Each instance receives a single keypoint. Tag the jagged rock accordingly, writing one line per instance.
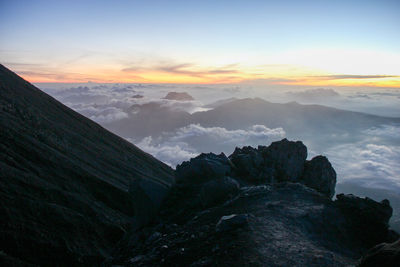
(290, 225)
(217, 191)
(281, 161)
(287, 158)
(179, 96)
(382, 255)
(320, 175)
(231, 222)
(202, 168)
(370, 219)
(249, 165)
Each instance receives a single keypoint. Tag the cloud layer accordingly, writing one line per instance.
(191, 140)
(371, 162)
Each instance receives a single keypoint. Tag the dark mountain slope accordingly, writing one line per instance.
(298, 121)
(64, 180)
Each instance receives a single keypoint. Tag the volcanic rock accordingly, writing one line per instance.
(382, 255)
(203, 167)
(320, 175)
(231, 222)
(287, 157)
(370, 219)
(218, 190)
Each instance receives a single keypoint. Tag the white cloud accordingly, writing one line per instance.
(391, 131)
(259, 132)
(189, 141)
(109, 114)
(372, 161)
(168, 152)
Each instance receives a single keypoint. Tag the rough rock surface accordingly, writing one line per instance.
(202, 168)
(180, 96)
(218, 190)
(64, 181)
(382, 255)
(287, 158)
(320, 175)
(279, 162)
(232, 222)
(370, 219)
(278, 223)
(287, 224)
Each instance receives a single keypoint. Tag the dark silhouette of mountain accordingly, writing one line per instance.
(221, 102)
(64, 181)
(265, 206)
(153, 119)
(299, 121)
(179, 96)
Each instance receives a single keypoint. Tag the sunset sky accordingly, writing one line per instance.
(316, 43)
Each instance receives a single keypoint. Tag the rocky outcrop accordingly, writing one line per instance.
(275, 209)
(284, 161)
(281, 161)
(218, 191)
(382, 255)
(286, 224)
(202, 168)
(320, 175)
(179, 96)
(370, 219)
(250, 165)
(287, 158)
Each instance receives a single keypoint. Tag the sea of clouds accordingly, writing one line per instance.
(372, 161)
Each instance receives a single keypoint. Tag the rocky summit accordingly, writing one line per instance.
(74, 194)
(265, 206)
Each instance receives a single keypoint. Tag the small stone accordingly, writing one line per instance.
(155, 236)
(231, 222)
(136, 259)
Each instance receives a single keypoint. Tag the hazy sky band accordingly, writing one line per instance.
(290, 42)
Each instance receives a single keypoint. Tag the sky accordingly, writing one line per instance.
(316, 43)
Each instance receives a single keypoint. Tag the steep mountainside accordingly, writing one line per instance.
(64, 180)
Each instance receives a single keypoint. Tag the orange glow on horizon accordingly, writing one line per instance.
(298, 77)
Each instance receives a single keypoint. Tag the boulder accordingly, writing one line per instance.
(383, 255)
(320, 175)
(249, 165)
(232, 222)
(218, 191)
(203, 168)
(369, 218)
(287, 158)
